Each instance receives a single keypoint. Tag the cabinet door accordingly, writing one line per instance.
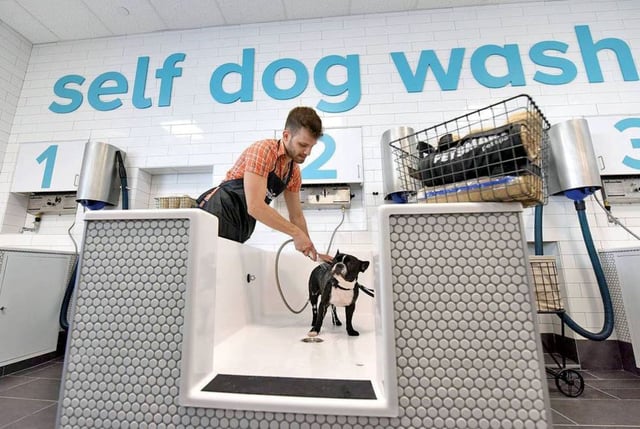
(337, 158)
(31, 290)
(616, 143)
(48, 166)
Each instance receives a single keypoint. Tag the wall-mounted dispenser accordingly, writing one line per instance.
(99, 185)
(52, 203)
(621, 189)
(393, 188)
(325, 197)
(572, 161)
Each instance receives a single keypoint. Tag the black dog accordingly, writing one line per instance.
(336, 283)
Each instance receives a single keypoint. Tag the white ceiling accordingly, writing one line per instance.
(45, 21)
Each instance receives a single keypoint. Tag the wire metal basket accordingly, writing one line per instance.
(183, 202)
(497, 153)
(546, 284)
(548, 300)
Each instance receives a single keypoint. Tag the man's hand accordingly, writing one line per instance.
(305, 246)
(325, 258)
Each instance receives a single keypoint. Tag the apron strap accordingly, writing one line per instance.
(204, 197)
(289, 174)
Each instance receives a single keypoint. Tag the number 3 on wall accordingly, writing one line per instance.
(49, 159)
(313, 170)
(635, 143)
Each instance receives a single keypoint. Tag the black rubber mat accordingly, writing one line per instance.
(291, 386)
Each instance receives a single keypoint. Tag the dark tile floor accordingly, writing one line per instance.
(29, 398)
(611, 400)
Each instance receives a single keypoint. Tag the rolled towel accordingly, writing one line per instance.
(493, 152)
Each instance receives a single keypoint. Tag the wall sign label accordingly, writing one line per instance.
(492, 66)
(48, 166)
(616, 142)
(336, 158)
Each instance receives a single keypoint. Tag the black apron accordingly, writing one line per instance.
(229, 204)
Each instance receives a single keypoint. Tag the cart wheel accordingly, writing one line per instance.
(570, 383)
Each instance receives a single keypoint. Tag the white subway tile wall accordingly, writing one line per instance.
(197, 132)
(15, 51)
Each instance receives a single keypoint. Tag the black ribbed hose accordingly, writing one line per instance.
(608, 324)
(122, 172)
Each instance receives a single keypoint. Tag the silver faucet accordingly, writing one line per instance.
(34, 228)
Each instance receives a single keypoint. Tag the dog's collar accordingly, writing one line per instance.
(337, 284)
(359, 286)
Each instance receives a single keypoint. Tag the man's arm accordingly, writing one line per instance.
(255, 188)
(296, 216)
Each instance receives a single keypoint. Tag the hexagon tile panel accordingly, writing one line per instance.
(465, 338)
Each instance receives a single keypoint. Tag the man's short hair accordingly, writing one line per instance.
(304, 117)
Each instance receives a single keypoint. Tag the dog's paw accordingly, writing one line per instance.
(353, 333)
(312, 334)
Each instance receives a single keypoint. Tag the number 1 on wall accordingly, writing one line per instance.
(49, 158)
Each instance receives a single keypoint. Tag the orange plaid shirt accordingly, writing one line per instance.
(263, 157)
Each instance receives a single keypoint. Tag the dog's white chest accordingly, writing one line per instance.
(342, 297)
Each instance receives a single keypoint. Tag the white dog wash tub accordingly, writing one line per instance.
(173, 327)
(240, 348)
(247, 351)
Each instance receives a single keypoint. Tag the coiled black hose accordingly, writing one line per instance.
(608, 325)
(122, 172)
(64, 309)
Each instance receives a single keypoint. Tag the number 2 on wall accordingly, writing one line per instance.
(313, 171)
(49, 158)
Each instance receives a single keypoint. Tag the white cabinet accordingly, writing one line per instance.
(336, 158)
(48, 166)
(616, 143)
(32, 286)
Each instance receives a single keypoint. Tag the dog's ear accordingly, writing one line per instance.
(337, 254)
(363, 266)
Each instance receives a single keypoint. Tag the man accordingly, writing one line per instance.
(264, 170)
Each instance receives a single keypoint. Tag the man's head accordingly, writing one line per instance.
(302, 130)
